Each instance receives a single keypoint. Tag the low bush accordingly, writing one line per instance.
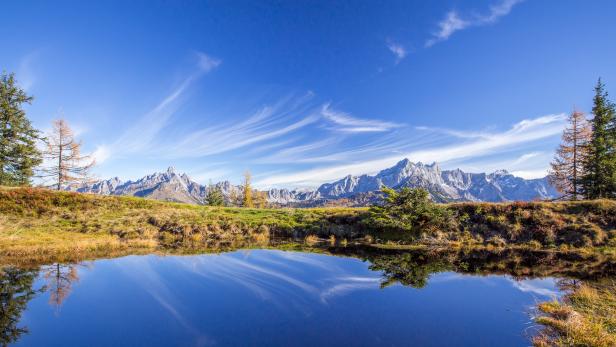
(409, 210)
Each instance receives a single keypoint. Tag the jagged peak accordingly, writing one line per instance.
(497, 186)
(403, 163)
(501, 172)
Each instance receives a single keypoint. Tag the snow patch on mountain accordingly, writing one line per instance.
(443, 185)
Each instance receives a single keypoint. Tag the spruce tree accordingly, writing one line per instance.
(599, 180)
(214, 196)
(18, 152)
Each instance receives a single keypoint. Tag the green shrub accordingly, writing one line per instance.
(410, 210)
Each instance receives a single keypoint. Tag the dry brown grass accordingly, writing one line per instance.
(39, 221)
(585, 317)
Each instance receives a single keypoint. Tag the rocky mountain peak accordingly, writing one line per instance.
(443, 185)
(501, 173)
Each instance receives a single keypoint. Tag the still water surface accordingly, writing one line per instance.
(272, 298)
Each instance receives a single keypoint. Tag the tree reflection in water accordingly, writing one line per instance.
(60, 279)
(414, 267)
(15, 293)
(411, 268)
(16, 290)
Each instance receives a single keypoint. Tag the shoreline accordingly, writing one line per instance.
(40, 223)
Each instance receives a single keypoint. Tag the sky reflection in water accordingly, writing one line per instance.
(277, 298)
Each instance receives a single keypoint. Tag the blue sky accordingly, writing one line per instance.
(302, 92)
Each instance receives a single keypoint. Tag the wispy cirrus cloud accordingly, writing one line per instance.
(347, 123)
(207, 63)
(302, 152)
(454, 22)
(397, 49)
(272, 133)
(463, 134)
(525, 164)
(525, 132)
(145, 130)
(449, 25)
(25, 72)
(526, 157)
(268, 123)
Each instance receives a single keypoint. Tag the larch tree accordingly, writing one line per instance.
(260, 199)
(599, 179)
(65, 165)
(60, 279)
(568, 164)
(19, 154)
(247, 200)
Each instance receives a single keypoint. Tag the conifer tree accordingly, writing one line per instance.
(18, 152)
(260, 199)
(235, 196)
(65, 163)
(16, 291)
(599, 180)
(247, 191)
(214, 196)
(567, 166)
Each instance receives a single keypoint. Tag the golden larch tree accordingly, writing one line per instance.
(60, 279)
(247, 191)
(567, 167)
(64, 163)
(260, 199)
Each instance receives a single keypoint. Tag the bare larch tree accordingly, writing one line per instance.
(60, 279)
(64, 163)
(567, 167)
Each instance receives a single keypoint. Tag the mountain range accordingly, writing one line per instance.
(443, 185)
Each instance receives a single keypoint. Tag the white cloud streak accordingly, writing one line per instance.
(397, 49)
(525, 157)
(140, 136)
(25, 72)
(101, 154)
(543, 287)
(207, 63)
(526, 165)
(447, 27)
(144, 131)
(462, 134)
(266, 130)
(453, 22)
(268, 123)
(524, 132)
(346, 123)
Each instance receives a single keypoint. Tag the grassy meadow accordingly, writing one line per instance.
(43, 223)
(41, 226)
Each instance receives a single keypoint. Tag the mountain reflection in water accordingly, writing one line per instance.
(356, 297)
